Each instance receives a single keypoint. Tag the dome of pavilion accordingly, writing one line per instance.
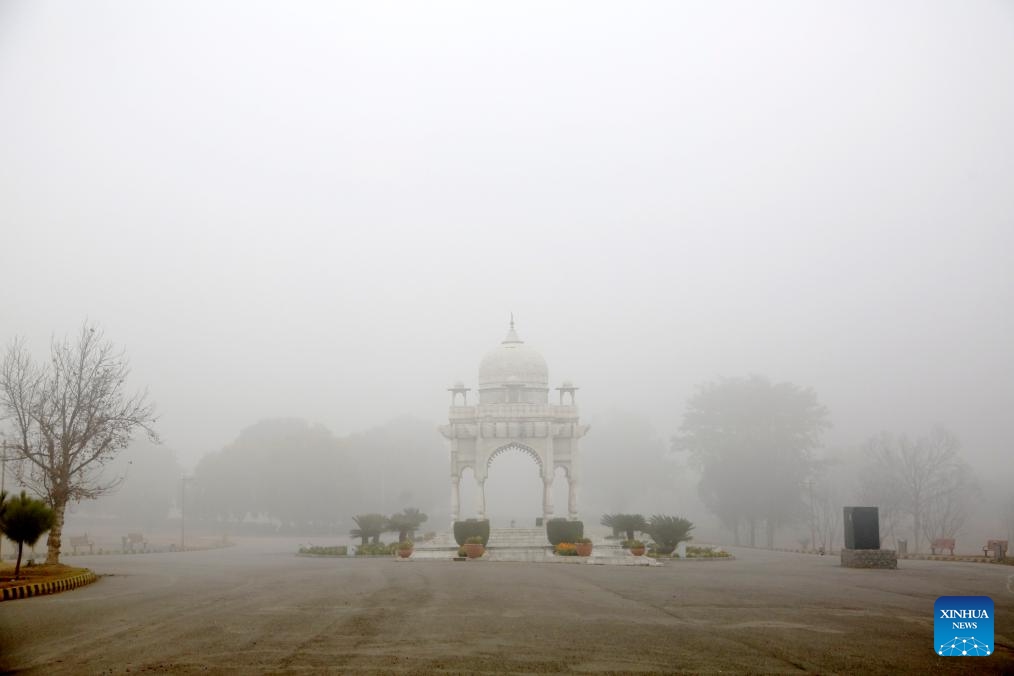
(514, 363)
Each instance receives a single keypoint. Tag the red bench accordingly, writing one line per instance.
(942, 544)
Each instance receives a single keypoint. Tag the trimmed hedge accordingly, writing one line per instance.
(471, 528)
(376, 549)
(562, 530)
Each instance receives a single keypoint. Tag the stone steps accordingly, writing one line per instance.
(505, 538)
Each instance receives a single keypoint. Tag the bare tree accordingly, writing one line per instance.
(878, 488)
(924, 477)
(947, 513)
(70, 417)
(825, 510)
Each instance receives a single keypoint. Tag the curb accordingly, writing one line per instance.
(40, 588)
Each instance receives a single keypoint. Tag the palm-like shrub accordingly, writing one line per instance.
(406, 522)
(369, 526)
(668, 532)
(25, 519)
(625, 523)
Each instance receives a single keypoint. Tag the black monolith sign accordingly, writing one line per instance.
(862, 528)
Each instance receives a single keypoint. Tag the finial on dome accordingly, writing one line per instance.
(512, 335)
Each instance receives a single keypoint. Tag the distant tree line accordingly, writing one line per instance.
(287, 475)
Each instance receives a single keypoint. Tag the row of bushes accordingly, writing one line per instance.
(665, 531)
(342, 550)
(557, 531)
(369, 549)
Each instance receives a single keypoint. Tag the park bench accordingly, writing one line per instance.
(82, 541)
(131, 539)
(996, 548)
(942, 544)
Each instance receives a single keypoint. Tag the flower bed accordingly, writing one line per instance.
(324, 551)
(566, 549)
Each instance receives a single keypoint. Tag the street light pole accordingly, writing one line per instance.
(3, 483)
(183, 513)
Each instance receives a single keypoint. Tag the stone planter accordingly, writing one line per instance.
(637, 551)
(583, 548)
(474, 551)
(405, 553)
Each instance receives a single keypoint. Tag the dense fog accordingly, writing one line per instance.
(304, 222)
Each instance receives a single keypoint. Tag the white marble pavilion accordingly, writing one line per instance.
(514, 413)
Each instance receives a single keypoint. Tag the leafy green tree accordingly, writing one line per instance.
(668, 531)
(752, 441)
(406, 522)
(25, 519)
(369, 526)
(625, 523)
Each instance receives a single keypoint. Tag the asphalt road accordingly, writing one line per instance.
(256, 607)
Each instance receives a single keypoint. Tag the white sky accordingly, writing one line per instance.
(329, 209)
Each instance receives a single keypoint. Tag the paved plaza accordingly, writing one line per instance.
(256, 607)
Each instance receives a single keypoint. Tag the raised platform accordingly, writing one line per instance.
(885, 559)
(530, 545)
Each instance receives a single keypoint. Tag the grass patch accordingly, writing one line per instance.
(36, 574)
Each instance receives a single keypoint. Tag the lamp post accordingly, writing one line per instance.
(3, 481)
(183, 513)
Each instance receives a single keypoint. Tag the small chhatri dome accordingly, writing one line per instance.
(513, 362)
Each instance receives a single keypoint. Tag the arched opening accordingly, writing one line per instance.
(468, 494)
(513, 488)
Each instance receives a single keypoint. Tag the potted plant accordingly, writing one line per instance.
(636, 547)
(583, 546)
(405, 549)
(474, 547)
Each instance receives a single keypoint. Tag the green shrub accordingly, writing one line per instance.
(624, 524)
(562, 530)
(463, 530)
(706, 553)
(25, 519)
(376, 549)
(668, 532)
(475, 540)
(325, 551)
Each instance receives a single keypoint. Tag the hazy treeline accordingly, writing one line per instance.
(287, 475)
(748, 466)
